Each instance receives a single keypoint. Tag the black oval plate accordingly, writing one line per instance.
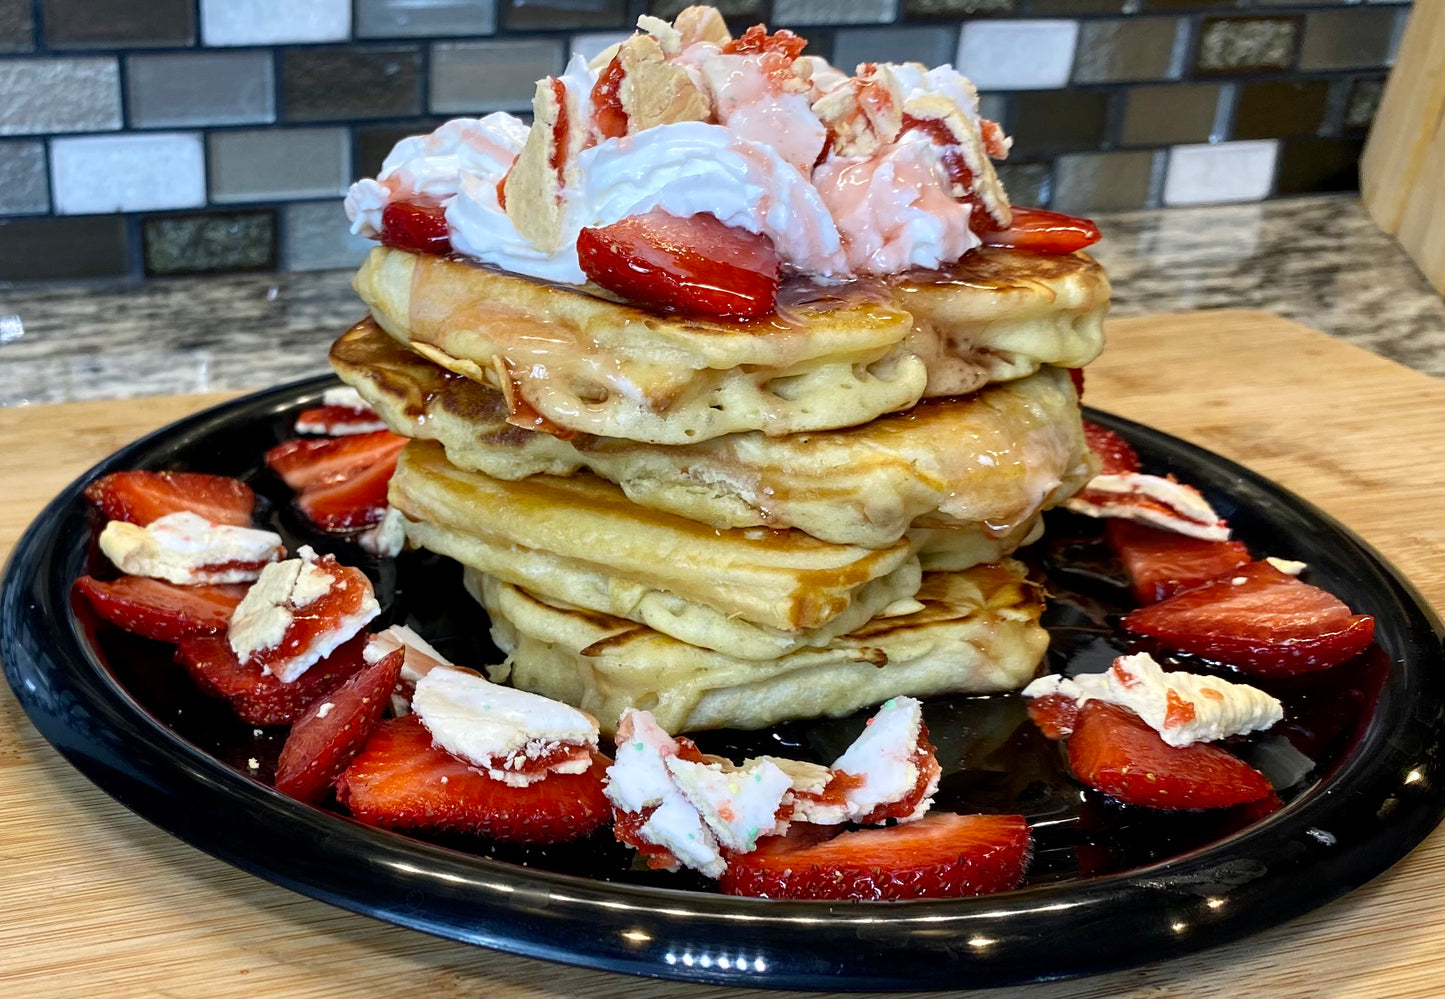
(1375, 796)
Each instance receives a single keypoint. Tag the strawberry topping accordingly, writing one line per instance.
(342, 480)
(1259, 619)
(929, 771)
(141, 497)
(163, 611)
(416, 227)
(323, 606)
(1054, 714)
(693, 265)
(1114, 452)
(338, 421)
(609, 120)
(1112, 750)
(260, 698)
(351, 503)
(756, 41)
(333, 730)
(401, 781)
(939, 856)
(1163, 563)
(1035, 230)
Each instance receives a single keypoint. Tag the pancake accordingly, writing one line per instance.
(754, 593)
(976, 632)
(985, 464)
(572, 362)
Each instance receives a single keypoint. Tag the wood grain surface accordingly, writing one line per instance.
(99, 902)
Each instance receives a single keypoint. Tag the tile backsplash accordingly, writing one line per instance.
(162, 137)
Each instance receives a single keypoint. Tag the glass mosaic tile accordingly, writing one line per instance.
(346, 83)
(209, 242)
(210, 88)
(425, 18)
(87, 24)
(51, 249)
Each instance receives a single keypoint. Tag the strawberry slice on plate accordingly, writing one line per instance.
(359, 500)
(164, 611)
(327, 737)
(940, 856)
(140, 497)
(1036, 230)
(1163, 563)
(338, 421)
(1054, 714)
(261, 698)
(416, 227)
(401, 781)
(1115, 453)
(1260, 620)
(306, 462)
(1114, 751)
(695, 265)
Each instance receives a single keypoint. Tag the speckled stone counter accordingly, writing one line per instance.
(1319, 261)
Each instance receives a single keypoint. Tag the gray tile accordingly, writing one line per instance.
(209, 242)
(17, 26)
(490, 76)
(1137, 49)
(59, 95)
(932, 45)
(545, 15)
(1349, 39)
(1027, 184)
(957, 8)
(1049, 121)
(795, 12)
(993, 106)
(1246, 44)
(212, 88)
(1098, 182)
(1363, 102)
(86, 24)
(1162, 116)
(278, 164)
(345, 83)
(318, 237)
(669, 9)
(24, 182)
(424, 18)
(50, 249)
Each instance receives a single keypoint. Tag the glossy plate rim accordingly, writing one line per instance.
(1388, 792)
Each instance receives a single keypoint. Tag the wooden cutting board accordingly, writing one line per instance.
(98, 901)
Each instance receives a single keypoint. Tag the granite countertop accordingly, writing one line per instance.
(1319, 261)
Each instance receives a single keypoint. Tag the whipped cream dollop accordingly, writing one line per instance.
(845, 175)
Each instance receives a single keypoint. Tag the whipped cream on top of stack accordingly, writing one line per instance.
(874, 173)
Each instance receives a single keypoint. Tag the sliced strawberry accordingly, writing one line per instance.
(1114, 451)
(756, 40)
(313, 626)
(1114, 751)
(1054, 714)
(401, 781)
(609, 118)
(327, 737)
(1259, 619)
(155, 609)
(939, 856)
(1035, 230)
(260, 698)
(308, 461)
(695, 265)
(347, 504)
(416, 227)
(141, 497)
(338, 421)
(1163, 563)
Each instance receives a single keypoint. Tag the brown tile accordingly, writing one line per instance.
(340, 83)
(1139, 48)
(1363, 102)
(1027, 184)
(374, 142)
(112, 24)
(1277, 108)
(24, 179)
(501, 75)
(933, 9)
(1309, 165)
(1246, 44)
(749, 10)
(1047, 121)
(1349, 39)
(1074, 7)
(17, 26)
(209, 242)
(1164, 116)
(540, 15)
(1099, 182)
(75, 246)
(1188, 5)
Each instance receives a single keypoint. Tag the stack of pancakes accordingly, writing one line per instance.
(737, 523)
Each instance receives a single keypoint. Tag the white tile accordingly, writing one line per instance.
(269, 22)
(1224, 171)
(1017, 55)
(127, 173)
(589, 46)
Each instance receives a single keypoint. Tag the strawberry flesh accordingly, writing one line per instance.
(351, 503)
(309, 461)
(939, 856)
(608, 116)
(693, 265)
(260, 698)
(1054, 714)
(401, 781)
(416, 227)
(142, 497)
(338, 421)
(350, 588)
(1114, 452)
(1260, 620)
(1112, 750)
(1036, 230)
(925, 759)
(756, 41)
(327, 737)
(1163, 563)
(163, 611)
